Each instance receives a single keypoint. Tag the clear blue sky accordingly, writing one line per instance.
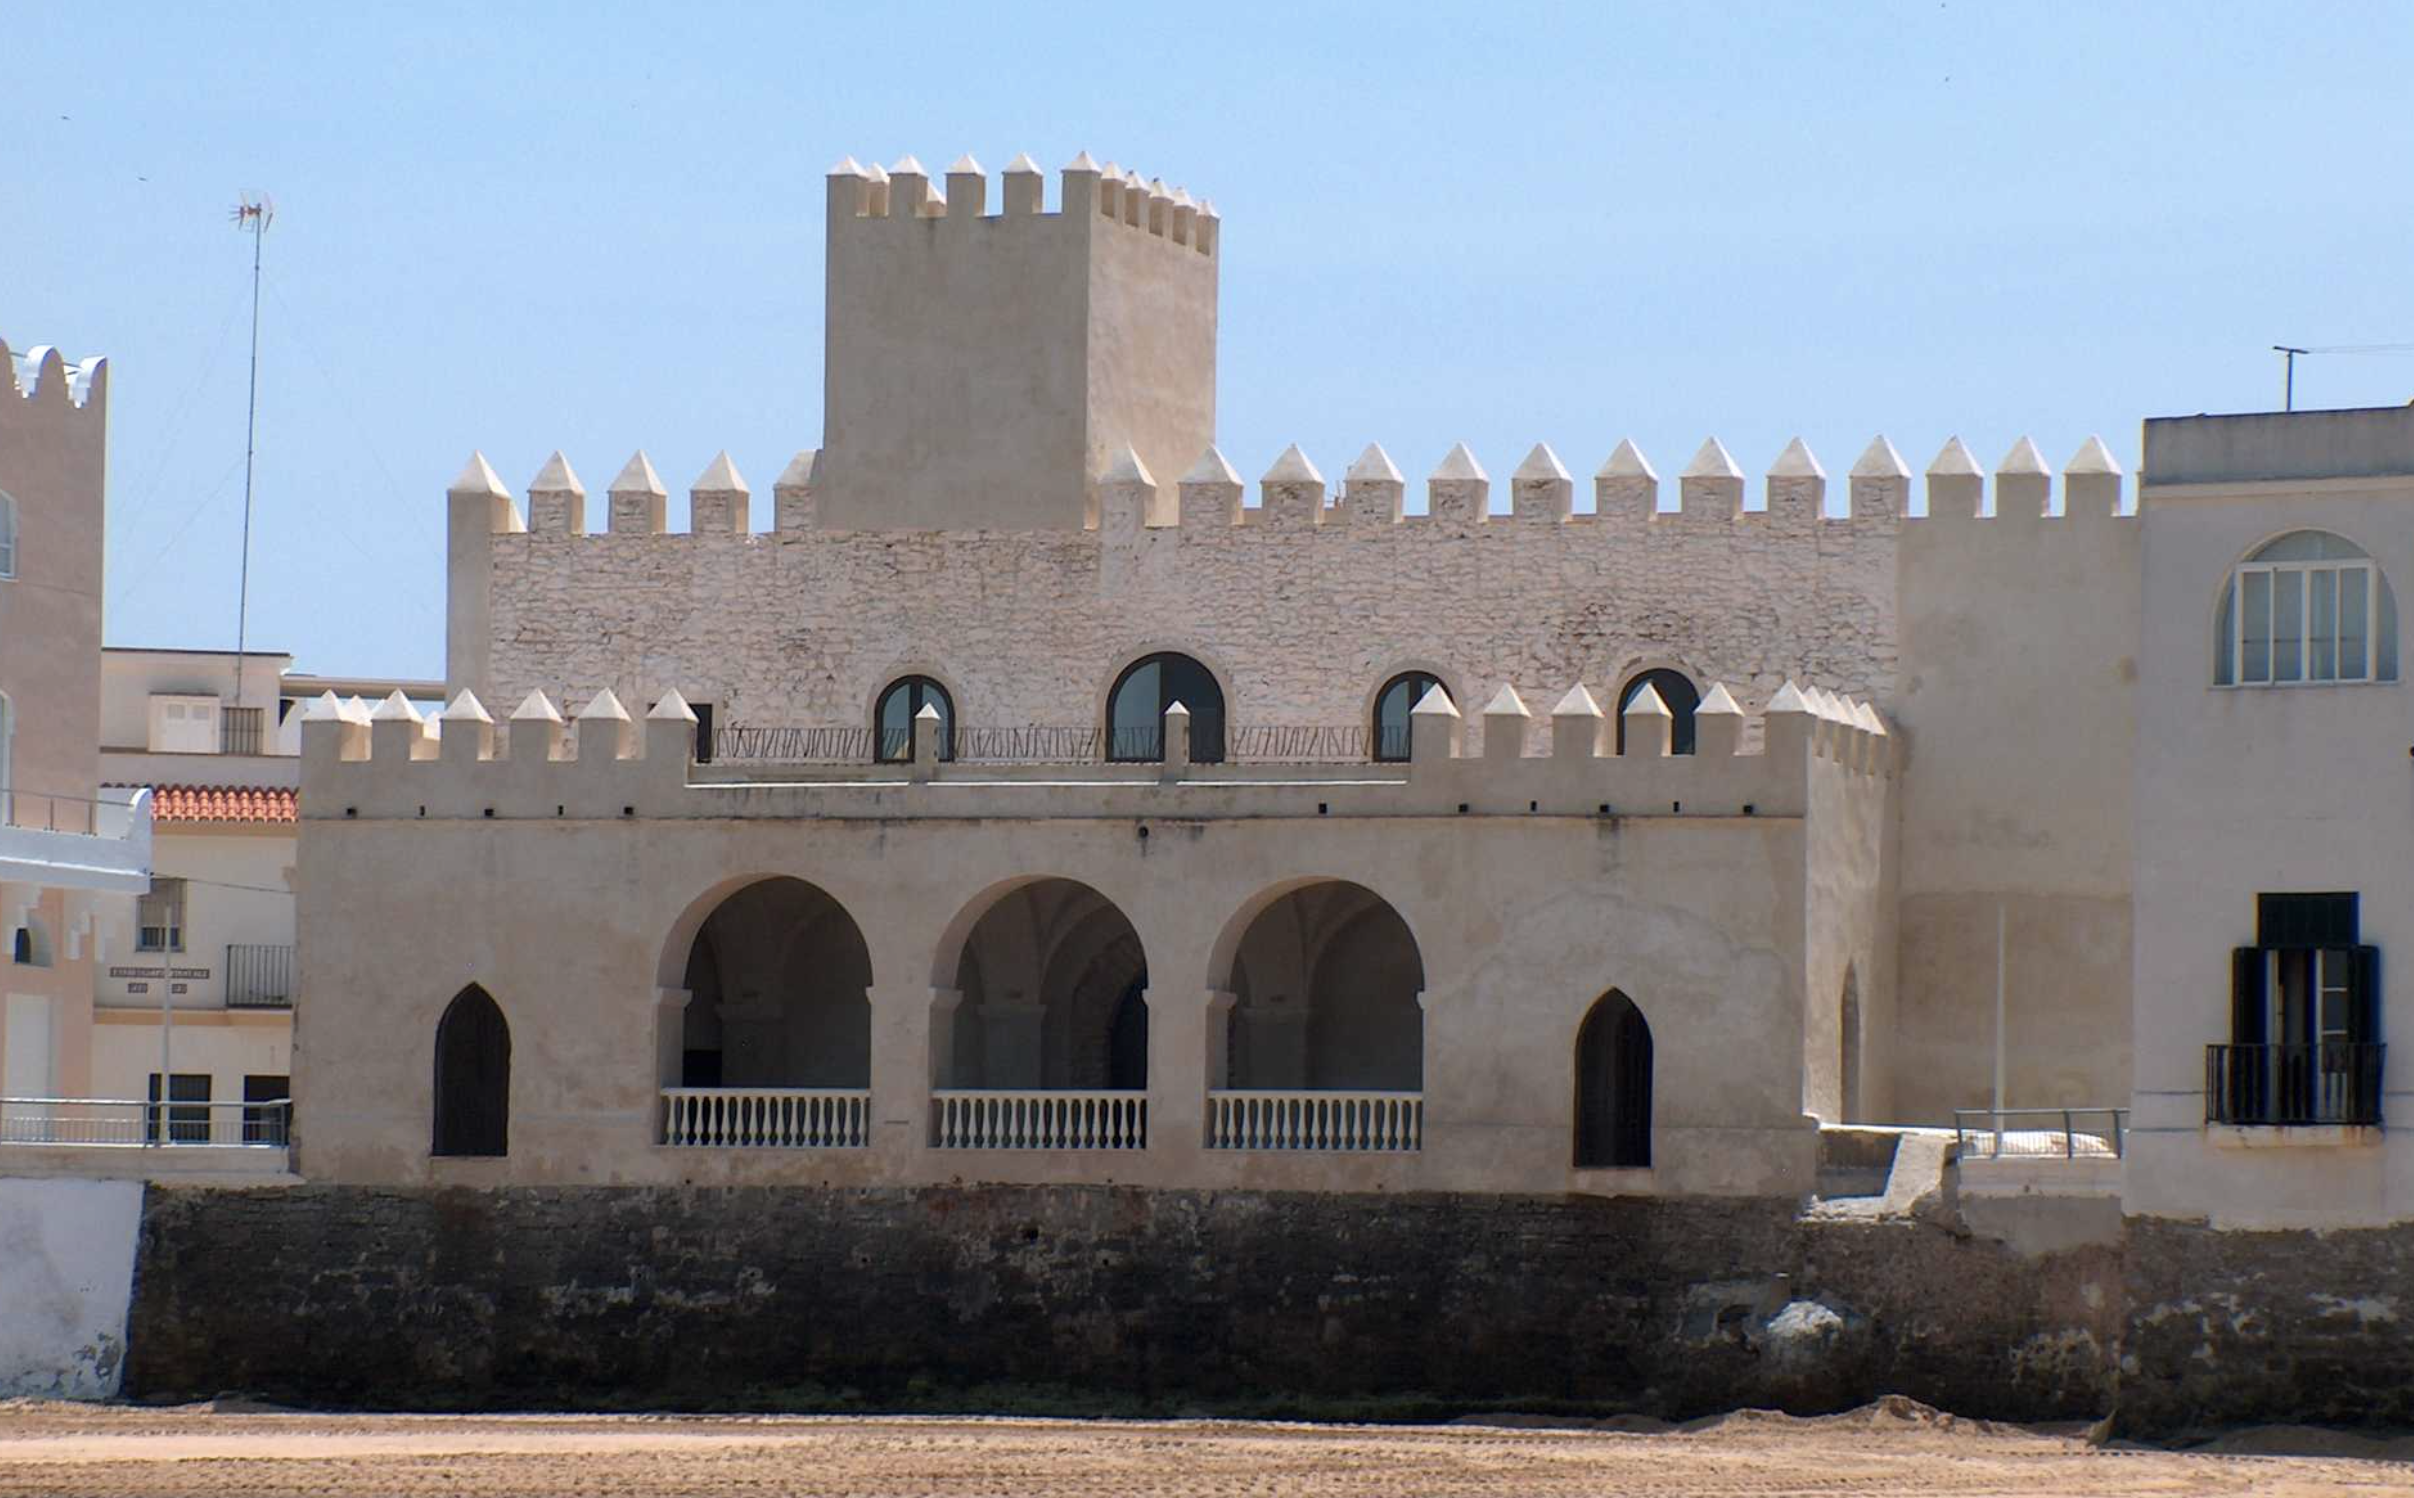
(598, 227)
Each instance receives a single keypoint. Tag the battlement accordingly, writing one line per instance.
(1210, 495)
(42, 380)
(391, 761)
(1109, 193)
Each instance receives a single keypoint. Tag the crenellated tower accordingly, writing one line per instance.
(981, 366)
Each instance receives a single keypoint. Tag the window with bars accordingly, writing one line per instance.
(159, 917)
(2307, 608)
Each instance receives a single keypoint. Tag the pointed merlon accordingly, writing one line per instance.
(2093, 457)
(1374, 466)
(603, 704)
(720, 476)
(536, 707)
(1081, 162)
(965, 166)
(799, 472)
(1435, 703)
(1459, 465)
(465, 707)
(1880, 461)
(907, 166)
(1712, 462)
(1506, 703)
(847, 166)
(875, 173)
(355, 710)
(1797, 462)
(2024, 459)
(556, 478)
(1212, 468)
(396, 708)
(930, 713)
(326, 707)
(1718, 702)
(1207, 208)
(478, 478)
(1292, 467)
(1578, 703)
(1955, 460)
(1021, 166)
(1646, 703)
(672, 708)
(1541, 463)
(1868, 718)
(1789, 699)
(638, 477)
(1173, 709)
(1127, 469)
(1627, 462)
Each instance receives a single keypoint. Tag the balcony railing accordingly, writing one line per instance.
(2041, 1133)
(766, 1117)
(997, 1119)
(259, 976)
(2318, 1082)
(1052, 744)
(131, 1121)
(1366, 1122)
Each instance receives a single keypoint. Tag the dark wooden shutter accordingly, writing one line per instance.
(2246, 996)
(473, 1078)
(2363, 996)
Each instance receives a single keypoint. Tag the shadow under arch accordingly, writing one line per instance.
(1328, 981)
(778, 977)
(1049, 986)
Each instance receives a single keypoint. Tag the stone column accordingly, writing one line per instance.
(912, 1043)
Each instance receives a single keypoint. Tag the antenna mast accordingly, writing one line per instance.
(252, 215)
(2288, 377)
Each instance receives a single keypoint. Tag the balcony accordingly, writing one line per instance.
(1003, 1119)
(2316, 1084)
(77, 842)
(259, 976)
(1357, 1122)
(766, 1117)
(133, 1122)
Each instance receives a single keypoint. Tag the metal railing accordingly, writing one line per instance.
(132, 1121)
(2041, 1133)
(1301, 1120)
(767, 1117)
(43, 811)
(794, 746)
(259, 976)
(1296, 744)
(2317, 1082)
(1038, 744)
(239, 730)
(1001, 1119)
(1052, 744)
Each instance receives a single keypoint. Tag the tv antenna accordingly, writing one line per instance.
(2289, 353)
(252, 214)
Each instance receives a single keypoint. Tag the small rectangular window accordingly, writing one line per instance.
(159, 917)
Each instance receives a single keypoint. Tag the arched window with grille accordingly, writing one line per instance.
(2305, 609)
(1682, 697)
(473, 1077)
(1135, 713)
(893, 718)
(1393, 706)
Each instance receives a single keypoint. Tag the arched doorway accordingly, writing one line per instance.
(1394, 706)
(1682, 698)
(1324, 1045)
(775, 1042)
(1046, 1043)
(1135, 712)
(1848, 1046)
(1613, 1085)
(473, 1077)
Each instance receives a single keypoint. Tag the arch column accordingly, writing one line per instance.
(913, 1038)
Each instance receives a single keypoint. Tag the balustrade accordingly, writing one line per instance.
(1039, 1120)
(1351, 1121)
(767, 1117)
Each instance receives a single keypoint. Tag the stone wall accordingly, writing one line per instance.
(1099, 1298)
(1303, 623)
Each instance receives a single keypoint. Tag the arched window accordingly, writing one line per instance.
(1613, 1085)
(1135, 713)
(1393, 704)
(1677, 690)
(8, 535)
(2308, 607)
(473, 1077)
(893, 719)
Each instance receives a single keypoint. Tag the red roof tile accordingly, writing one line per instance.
(222, 803)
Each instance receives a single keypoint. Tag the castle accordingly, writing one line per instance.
(1028, 807)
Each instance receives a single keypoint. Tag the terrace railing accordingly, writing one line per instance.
(1004, 1119)
(1047, 744)
(766, 1117)
(2041, 1133)
(1385, 1122)
(132, 1121)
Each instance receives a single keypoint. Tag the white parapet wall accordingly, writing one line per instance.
(66, 1281)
